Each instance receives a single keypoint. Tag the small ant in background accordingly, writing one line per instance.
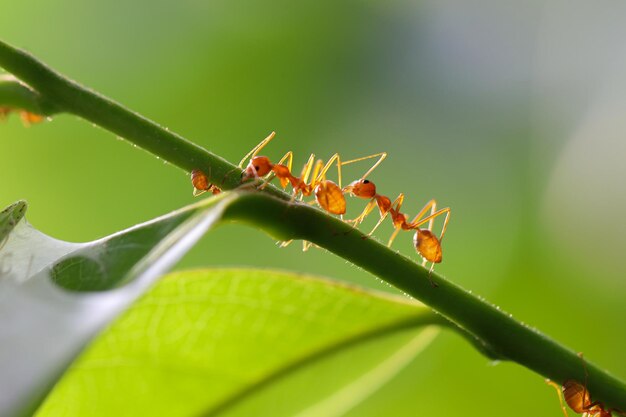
(579, 399)
(201, 183)
(28, 118)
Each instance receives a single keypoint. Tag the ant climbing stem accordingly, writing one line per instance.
(426, 243)
(260, 166)
(559, 393)
(364, 188)
(201, 183)
(578, 397)
(328, 195)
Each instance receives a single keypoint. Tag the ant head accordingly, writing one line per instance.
(329, 196)
(361, 188)
(259, 166)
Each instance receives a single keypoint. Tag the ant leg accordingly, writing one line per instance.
(432, 205)
(285, 243)
(559, 393)
(339, 172)
(320, 173)
(398, 202)
(266, 181)
(393, 236)
(433, 209)
(289, 158)
(381, 156)
(368, 209)
(417, 222)
(421, 213)
(317, 168)
(306, 169)
(339, 179)
(380, 221)
(197, 192)
(255, 151)
(430, 273)
(304, 176)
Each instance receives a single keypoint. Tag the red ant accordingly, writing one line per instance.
(201, 183)
(327, 193)
(579, 399)
(427, 244)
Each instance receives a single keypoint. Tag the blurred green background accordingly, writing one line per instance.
(510, 113)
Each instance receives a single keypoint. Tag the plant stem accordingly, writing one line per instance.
(495, 330)
(70, 97)
(14, 94)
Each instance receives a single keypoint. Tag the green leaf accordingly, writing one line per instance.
(56, 296)
(245, 342)
(9, 218)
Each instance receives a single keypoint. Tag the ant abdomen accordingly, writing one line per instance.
(576, 396)
(201, 183)
(199, 180)
(330, 197)
(427, 244)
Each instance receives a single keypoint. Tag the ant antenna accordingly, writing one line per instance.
(559, 393)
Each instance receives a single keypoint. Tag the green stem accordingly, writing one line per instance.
(495, 330)
(15, 94)
(70, 97)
